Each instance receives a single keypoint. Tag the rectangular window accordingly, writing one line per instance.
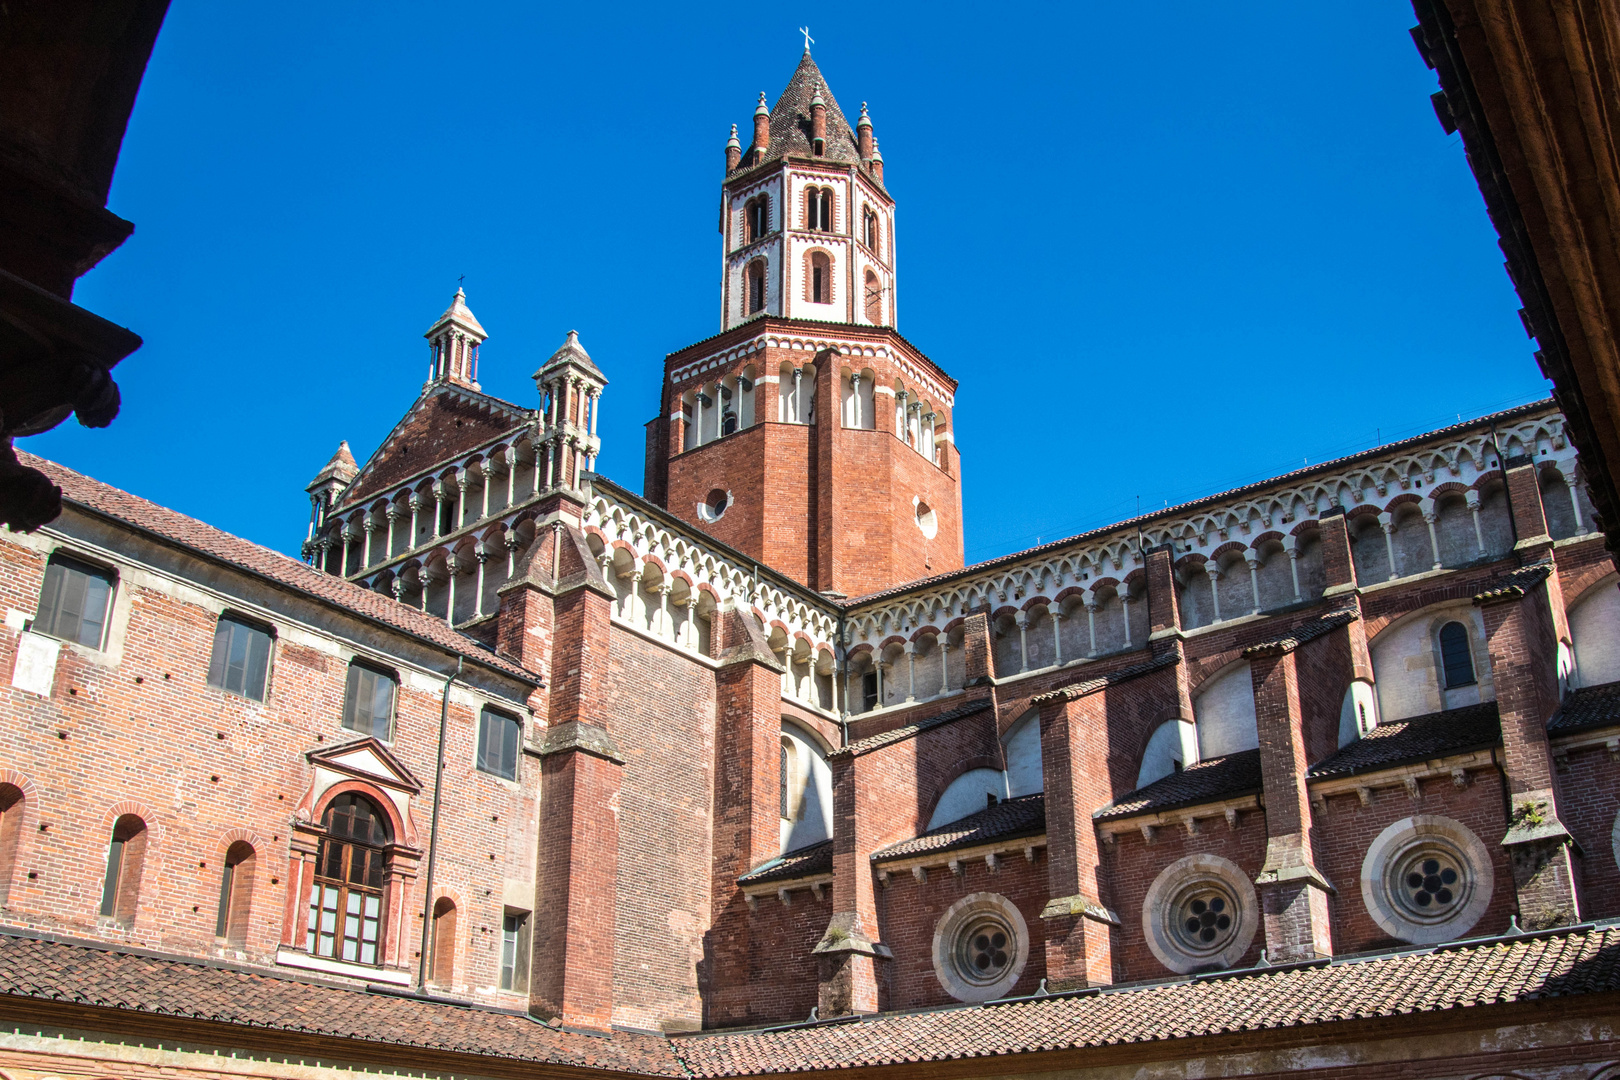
(241, 659)
(515, 951)
(73, 602)
(869, 690)
(498, 736)
(368, 703)
(115, 868)
(222, 921)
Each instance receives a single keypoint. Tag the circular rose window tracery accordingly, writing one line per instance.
(1200, 914)
(981, 945)
(1426, 879)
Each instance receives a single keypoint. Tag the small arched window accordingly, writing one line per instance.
(874, 299)
(818, 209)
(12, 805)
(1455, 657)
(443, 966)
(235, 894)
(346, 898)
(126, 859)
(755, 286)
(870, 228)
(820, 278)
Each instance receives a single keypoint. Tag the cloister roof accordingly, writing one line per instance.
(1586, 709)
(273, 566)
(1008, 819)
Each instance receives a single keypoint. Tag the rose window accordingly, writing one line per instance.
(1205, 919)
(1430, 884)
(985, 950)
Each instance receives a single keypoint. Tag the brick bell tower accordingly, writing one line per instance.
(808, 433)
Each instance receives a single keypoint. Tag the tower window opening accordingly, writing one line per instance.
(820, 278)
(818, 209)
(874, 299)
(755, 218)
(871, 230)
(756, 287)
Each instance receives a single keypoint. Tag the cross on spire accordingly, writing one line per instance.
(808, 40)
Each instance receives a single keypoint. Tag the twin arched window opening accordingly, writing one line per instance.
(756, 218)
(818, 209)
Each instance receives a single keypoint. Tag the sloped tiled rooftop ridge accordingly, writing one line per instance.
(249, 1005)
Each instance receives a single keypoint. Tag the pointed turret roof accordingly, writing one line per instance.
(341, 468)
(572, 352)
(790, 121)
(459, 314)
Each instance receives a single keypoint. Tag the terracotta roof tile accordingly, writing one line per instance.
(900, 734)
(272, 565)
(1582, 960)
(1021, 816)
(1587, 708)
(1206, 781)
(86, 975)
(790, 122)
(1473, 727)
(811, 861)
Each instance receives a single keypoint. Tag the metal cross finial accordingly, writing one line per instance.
(808, 40)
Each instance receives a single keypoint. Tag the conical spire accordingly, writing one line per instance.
(342, 468)
(790, 121)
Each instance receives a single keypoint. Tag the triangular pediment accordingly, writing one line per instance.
(441, 425)
(367, 758)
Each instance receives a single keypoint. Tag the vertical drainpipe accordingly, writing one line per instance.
(433, 832)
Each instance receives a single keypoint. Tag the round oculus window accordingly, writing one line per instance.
(1426, 879)
(714, 505)
(1200, 914)
(981, 945)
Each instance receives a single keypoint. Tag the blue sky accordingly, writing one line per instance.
(1165, 250)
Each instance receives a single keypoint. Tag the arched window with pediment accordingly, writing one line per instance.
(346, 898)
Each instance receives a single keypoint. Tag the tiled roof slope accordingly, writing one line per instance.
(1206, 781)
(1473, 727)
(1010, 818)
(448, 421)
(790, 121)
(276, 567)
(1580, 961)
(900, 734)
(85, 975)
(809, 861)
(1587, 708)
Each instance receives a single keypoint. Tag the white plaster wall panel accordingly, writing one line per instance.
(1594, 624)
(968, 794)
(1414, 554)
(1173, 745)
(1559, 506)
(1023, 750)
(813, 823)
(1368, 550)
(1454, 527)
(1406, 664)
(1224, 708)
(1495, 520)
